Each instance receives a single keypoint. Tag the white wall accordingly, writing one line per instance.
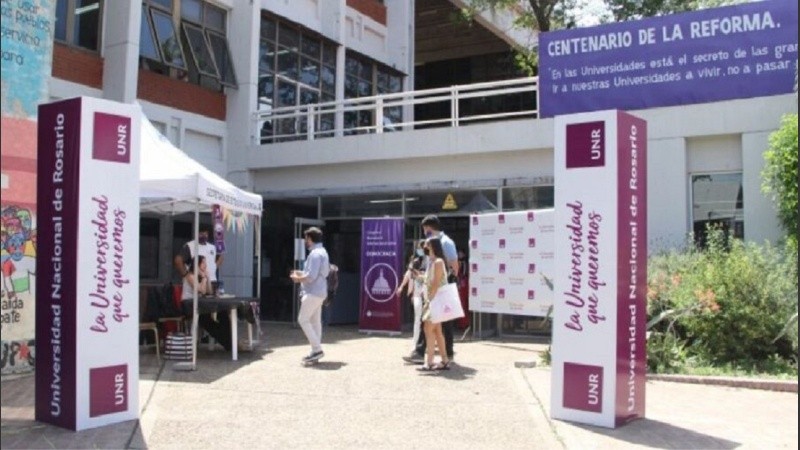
(715, 137)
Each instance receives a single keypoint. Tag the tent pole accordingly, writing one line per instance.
(257, 230)
(195, 253)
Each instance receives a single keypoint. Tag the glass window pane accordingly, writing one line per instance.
(311, 47)
(289, 37)
(382, 82)
(309, 73)
(287, 94)
(328, 79)
(527, 197)
(215, 17)
(87, 24)
(266, 89)
(61, 20)
(395, 84)
(365, 71)
(266, 62)
(222, 56)
(329, 54)
(351, 66)
(199, 50)
(148, 247)
(717, 200)
(268, 29)
(287, 63)
(147, 42)
(192, 10)
(364, 89)
(308, 96)
(168, 40)
(350, 87)
(166, 4)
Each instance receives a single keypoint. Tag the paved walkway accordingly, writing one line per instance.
(363, 396)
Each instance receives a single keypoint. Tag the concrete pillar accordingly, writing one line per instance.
(121, 50)
(244, 21)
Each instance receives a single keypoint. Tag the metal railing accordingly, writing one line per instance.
(440, 107)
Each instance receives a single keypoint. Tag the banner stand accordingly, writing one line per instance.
(599, 353)
(87, 285)
(382, 270)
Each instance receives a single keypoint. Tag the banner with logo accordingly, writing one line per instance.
(382, 270)
(511, 263)
(87, 286)
(599, 314)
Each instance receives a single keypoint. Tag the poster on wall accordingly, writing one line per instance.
(27, 43)
(382, 272)
(511, 263)
(598, 352)
(87, 292)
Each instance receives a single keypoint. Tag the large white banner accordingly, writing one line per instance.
(599, 310)
(87, 296)
(511, 262)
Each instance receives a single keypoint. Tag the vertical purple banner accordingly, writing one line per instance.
(381, 273)
(631, 267)
(219, 229)
(57, 194)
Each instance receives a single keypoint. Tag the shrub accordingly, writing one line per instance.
(729, 303)
(779, 177)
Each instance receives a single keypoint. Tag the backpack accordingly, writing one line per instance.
(333, 279)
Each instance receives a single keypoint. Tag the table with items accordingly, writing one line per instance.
(231, 303)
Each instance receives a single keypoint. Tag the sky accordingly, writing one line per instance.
(591, 11)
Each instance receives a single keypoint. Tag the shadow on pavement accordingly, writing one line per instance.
(657, 434)
(327, 365)
(20, 430)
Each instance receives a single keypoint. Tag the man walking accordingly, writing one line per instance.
(432, 228)
(314, 290)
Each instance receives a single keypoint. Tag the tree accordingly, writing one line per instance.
(624, 10)
(541, 15)
(779, 177)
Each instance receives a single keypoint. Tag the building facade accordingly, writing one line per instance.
(335, 110)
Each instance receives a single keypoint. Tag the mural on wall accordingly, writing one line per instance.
(27, 48)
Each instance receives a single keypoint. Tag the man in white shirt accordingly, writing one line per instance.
(205, 248)
(219, 328)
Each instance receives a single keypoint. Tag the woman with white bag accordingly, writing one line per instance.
(414, 285)
(435, 278)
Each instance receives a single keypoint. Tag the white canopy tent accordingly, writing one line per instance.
(173, 183)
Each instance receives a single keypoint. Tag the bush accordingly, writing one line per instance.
(730, 303)
(779, 177)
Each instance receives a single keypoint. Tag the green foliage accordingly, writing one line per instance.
(636, 9)
(779, 177)
(542, 15)
(730, 303)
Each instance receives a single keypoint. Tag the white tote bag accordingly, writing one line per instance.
(446, 304)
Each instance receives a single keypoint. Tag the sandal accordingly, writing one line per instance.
(442, 366)
(426, 368)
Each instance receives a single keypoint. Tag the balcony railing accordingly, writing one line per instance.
(441, 107)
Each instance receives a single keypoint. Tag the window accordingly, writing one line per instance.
(365, 78)
(190, 43)
(717, 201)
(295, 67)
(149, 230)
(78, 23)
